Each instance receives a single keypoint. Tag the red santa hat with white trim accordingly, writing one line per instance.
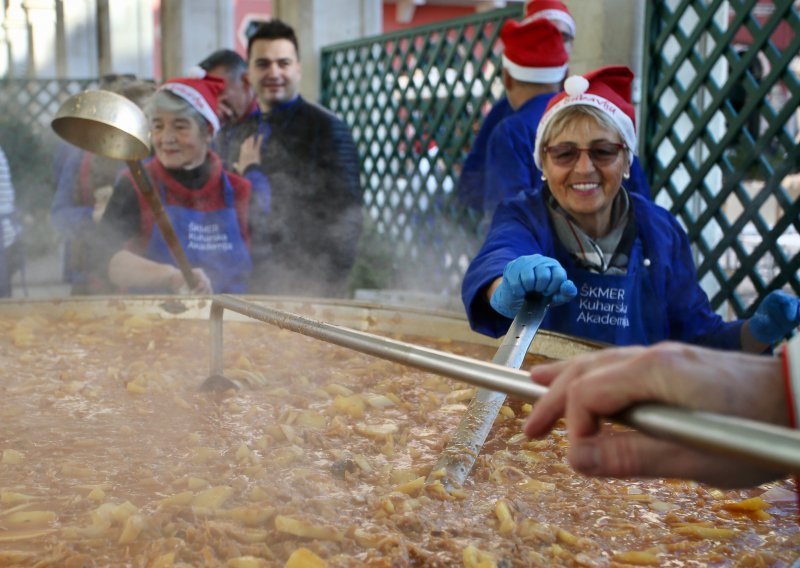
(607, 89)
(534, 52)
(552, 10)
(201, 91)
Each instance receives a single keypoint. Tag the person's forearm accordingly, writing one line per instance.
(129, 270)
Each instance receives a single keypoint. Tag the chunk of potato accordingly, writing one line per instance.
(475, 558)
(378, 431)
(637, 557)
(131, 530)
(246, 562)
(352, 406)
(299, 527)
(304, 558)
(213, 498)
(28, 519)
(12, 457)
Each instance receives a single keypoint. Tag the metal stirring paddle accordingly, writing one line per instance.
(762, 444)
(466, 442)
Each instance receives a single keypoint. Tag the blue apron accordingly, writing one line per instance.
(621, 309)
(212, 241)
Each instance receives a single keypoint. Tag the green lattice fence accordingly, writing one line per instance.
(414, 100)
(26, 108)
(718, 141)
(721, 115)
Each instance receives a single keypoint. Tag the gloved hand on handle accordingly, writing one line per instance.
(533, 274)
(775, 318)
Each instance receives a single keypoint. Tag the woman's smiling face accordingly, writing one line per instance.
(179, 141)
(585, 189)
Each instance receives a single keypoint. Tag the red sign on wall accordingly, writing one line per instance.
(245, 12)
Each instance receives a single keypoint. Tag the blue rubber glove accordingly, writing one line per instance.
(531, 274)
(775, 318)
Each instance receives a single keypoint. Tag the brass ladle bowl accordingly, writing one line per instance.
(104, 123)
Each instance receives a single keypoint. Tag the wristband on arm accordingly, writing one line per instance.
(791, 378)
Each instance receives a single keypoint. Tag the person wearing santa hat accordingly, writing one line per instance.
(208, 206)
(534, 65)
(471, 182)
(474, 188)
(614, 266)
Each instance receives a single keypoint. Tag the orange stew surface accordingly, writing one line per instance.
(111, 456)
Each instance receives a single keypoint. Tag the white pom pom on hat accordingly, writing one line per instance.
(196, 72)
(576, 85)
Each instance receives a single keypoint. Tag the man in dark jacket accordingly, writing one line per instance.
(312, 166)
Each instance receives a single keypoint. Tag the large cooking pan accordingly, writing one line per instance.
(110, 455)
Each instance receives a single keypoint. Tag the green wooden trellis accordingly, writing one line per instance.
(705, 159)
(720, 144)
(414, 100)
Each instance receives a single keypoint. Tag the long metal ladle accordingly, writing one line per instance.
(110, 125)
(766, 445)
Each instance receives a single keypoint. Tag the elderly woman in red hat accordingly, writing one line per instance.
(616, 267)
(208, 206)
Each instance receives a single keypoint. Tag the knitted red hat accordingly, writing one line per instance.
(534, 52)
(607, 89)
(552, 10)
(201, 91)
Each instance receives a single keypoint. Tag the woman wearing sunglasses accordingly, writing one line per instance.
(616, 267)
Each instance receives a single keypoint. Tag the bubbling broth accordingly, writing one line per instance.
(112, 456)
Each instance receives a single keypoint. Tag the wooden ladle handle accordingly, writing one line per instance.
(162, 221)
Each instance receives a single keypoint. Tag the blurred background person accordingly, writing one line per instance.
(472, 181)
(11, 252)
(208, 206)
(84, 183)
(310, 160)
(617, 267)
(237, 99)
(236, 103)
(534, 66)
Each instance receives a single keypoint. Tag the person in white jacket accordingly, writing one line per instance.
(10, 229)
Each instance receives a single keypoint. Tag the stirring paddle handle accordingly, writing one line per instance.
(162, 221)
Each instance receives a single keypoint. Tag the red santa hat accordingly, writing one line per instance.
(201, 91)
(552, 10)
(534, 52)
(607, 89)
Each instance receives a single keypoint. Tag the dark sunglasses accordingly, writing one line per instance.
(600, 153)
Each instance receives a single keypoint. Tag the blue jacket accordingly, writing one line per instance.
(471, 181)
(509, 164)
(668, 302)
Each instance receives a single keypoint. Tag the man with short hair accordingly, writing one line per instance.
(236, 102)
(310, 160)
(237, 99)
